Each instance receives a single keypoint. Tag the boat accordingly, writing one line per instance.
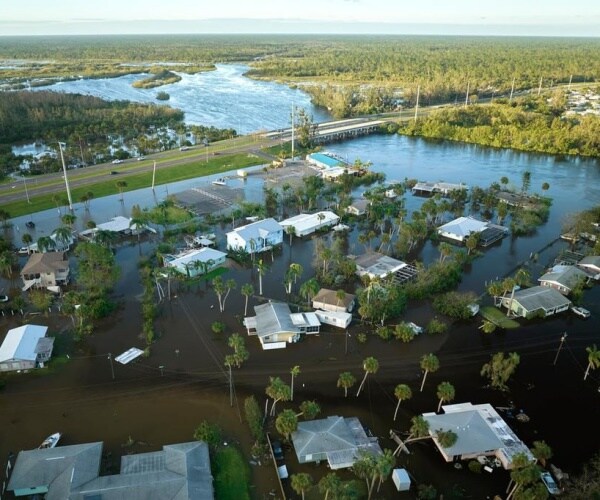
(221, 181)
(51, 441)
(340, 227)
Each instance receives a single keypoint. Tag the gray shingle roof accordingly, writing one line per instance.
(540, 297)
(567, 276)
(274, 317)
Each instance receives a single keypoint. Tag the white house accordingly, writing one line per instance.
(376, 265)
(537, 300)
(340, 319)
(195, 262)
(305, 224)
(45, 269)
(480, 431)
(563, 278)
(358, 207)
(328, 300)
(119, 224)
(25, 347)
(461, 228)
(256, 237)
(58, 245)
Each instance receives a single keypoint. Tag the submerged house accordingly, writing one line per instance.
(305, 224)
(378, 266)
(358, 207)
(25, 348)
(591, 266)
(44, 270)
(119, 224)
(328, 300)
(335, 440)
(461, 228)
(563, 278)
(536, 301)
(256, 237)
(195, 262)
(275, 325)
(178, 471)
(479, 430)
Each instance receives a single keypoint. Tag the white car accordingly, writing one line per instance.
(183, 148)
(580, 311)
(117, 161)
(140, 158)
(3, 298)
(550, 484)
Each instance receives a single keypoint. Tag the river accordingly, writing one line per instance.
(83, 401)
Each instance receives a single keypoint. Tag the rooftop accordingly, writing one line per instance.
(203, 255)
(22, 342)
(540, 297)
(257, 230)
(567, 276)
(303, 222)
(463, 226)
(378, 264)
(274, 317)
(45, 263)
(330, 297)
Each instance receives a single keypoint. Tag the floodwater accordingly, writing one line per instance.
(160, 399)
(223, 98)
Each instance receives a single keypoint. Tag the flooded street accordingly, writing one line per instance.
(160, 399)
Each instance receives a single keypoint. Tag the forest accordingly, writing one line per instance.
(526, 124)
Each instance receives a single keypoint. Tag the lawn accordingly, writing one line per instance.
(497, 317)
(231, 474)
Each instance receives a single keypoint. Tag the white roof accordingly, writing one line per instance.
(118, 224)
(129, 355)
(258, 229)
(463, 226)
(303, 222)
(202, 255)
(305, 319)
(20, 342)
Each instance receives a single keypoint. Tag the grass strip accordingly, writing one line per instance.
(496, 316)
(231, 474)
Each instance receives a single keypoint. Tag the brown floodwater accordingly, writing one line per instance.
(162, 398)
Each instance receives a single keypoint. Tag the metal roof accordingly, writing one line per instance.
(308, 222)
(540, 297)
(258, 229)
(590, 260)
(20, 343)
(567, 276)
(203, 255)
(274, 317)
(463, 227)
(379, 264)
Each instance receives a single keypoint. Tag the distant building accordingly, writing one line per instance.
(195, 262)
(336, 440)
(45, 269)
(328, 300)
(460, 229)
(431, 188)
(537, 300)
(275, 325)
(178, 471)
(358, 207)
(563, 278)
(25, 348)
(326, 161)
(590, 265)
(376, 265)
(119, 224)
(480, 431)
(305, 224)
(256, 237)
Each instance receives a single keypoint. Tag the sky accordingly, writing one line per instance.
(468, 17)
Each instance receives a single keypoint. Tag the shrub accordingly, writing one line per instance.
(436, 326)
(475, 466)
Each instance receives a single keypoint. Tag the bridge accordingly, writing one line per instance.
(334, 131)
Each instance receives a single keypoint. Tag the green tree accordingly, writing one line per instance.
(301, 482)
(294, 372)
(27, 241)
(309, 289)
(254, 418)
(346, 380)
(402, 393)
(472, 241)
(45, 244)
(330, 483)
(542, 452)
(40, 300)
(593, 360)
(247, 291)
(262, 268)
(121, 185)
(445, 393)
(209, 433)
(97, 271)
(370, 365)
(63, 235)
(286, 423)
(500, 368)
(429, 364)
(277, 390)
(68, 219)
(309, 410)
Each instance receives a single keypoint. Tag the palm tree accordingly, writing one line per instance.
(384, 466)
(294, 372)
(370, 365)
(309, 289)
(309, 410)
(402, 393)
(262, 268)
(429, 363)
(329, 484)
(6, 263)
(286, 423)
(445, 250)
(291, 231)
(68, 219)
(346, 380)
(121, 185)
(105, 237)
(27, 240)
(277, 390)
(63, 235)
(219, 288)
(301, 482)
(45, 243)
(541, 451)
(340, 295)
(593, 359)
(247, 290)
(446, 393)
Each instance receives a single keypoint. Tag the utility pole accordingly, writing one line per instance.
(161, 368)
(26, 192)
(467, 96)
(512, 89)
(293, 119)
(540, 87)
(562, 341)
(570, 80)
(230, 387)
(417, 103)
(112, 370)
(153, 175)
(65, 174)
(346, 350)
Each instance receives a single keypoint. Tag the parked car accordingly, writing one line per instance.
(277, 450)
(114, 172)
(30, 224)
(3, 298)
(550, 484)
(183, 148)
(140, 158)
(580, 311)
(117, 161)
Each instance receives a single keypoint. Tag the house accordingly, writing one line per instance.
(25, 347)
(460, 229)
(255, 237)
(336, 440)
(341, 319)
(563, 278)
(275, 325)
(45, 269)
(376, 265)
(57, 245)
(537, 300)
(479, 430)
(328, 300)
(195, 262)
(72, 472)
(431, 188)
(590, 265)
(325, 161)
(305, 224)
(358, 207)
(119, 224)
